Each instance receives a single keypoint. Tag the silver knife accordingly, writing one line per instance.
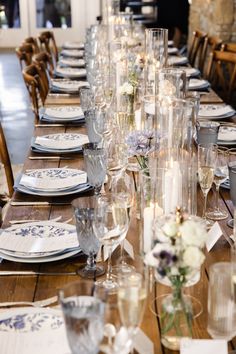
(51, 158)
(29, 272)
(19, 203)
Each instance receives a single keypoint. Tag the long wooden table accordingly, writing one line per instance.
(31, 288)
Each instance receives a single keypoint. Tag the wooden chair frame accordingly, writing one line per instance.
(196, 47)
(5, 159)
(48, 43)
(25, 53)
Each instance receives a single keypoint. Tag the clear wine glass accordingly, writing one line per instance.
(220, 176)
(232, 178)
(89, 244)
(122, 189)
(96, 163)
(207, 156)
(110, 227)
(117, 159)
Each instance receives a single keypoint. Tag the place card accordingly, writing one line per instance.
(142, 344)
(129, 248)
(206, 346)
(213, 236)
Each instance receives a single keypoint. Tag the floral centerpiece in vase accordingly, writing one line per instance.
(177, 255)
(128, 90)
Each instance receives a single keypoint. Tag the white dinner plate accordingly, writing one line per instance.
(175, 60)
(72, 62)
(61, 114)
(60, 142)
(70, 72)
(215, 111)
(73, 45)
(70, 86)
(197, 84)
(73, 53)
(172, 50)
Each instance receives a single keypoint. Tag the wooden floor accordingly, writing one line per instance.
(15, 111)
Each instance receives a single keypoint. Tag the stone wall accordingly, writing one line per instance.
(215, 17)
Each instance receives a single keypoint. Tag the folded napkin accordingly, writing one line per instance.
(227, 134)
(64, 112)
(191, 71)
(211, 110)
(72, 62)
(71, 71)
(52, 179)
(62, 141)
(172, 50)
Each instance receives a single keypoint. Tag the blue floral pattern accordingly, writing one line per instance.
(41, 231)
(62, 137)
(59, 173)
(31, 322)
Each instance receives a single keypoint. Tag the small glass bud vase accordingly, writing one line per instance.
(130, 112)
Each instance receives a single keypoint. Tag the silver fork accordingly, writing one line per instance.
(39, 303)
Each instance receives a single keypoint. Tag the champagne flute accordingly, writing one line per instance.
(110, 227)
(206, 165)
(220, 176)
(132, 294)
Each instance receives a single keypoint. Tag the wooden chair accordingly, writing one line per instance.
(221, 72)
(34, 79)
(229, 47)
(25, 53)
(44, 61)
(48, 44)
(33, 41)
(211, 43)
(5, 159)
(196, 48)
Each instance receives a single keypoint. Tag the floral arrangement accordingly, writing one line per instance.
(128, 89)
(177, 253)
(140, 144)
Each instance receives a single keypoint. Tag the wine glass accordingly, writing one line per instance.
(220, 176)
(89, 244)
(83, 307)
(117, 159)
(232, 180)
(206, 166)
(122, 189)
(110, 227)
(95, 161)
(132, 294)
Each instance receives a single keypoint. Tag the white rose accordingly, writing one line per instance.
(193, 257)
(170, 229)
(193, 233)
(129, 89)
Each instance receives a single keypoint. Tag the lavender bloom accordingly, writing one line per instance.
(141, 143)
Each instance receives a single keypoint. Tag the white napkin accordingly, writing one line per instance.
(172, 50)
(196, 83)
(60, 142)
(204, 346)
(71, 71)
(64, 112)
(190, 71)
(54, 179)
(72, 62)
(207, 110)
(227, 134)
(30, 237)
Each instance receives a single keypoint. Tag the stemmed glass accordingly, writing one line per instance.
(207, 156)
(220, 176)
(232, 180)
(95, 161)
(110, 227)
(132, 294)
(89, 244)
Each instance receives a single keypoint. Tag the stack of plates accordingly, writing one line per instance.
(215, 111)
(175, 60)
(73, 53)
(74, 63)
(59, 143)
(61, 114)
(227, 135)
(39, 242)
(172, 50)
(68, 86)
(52, 182)
(197, 84)
(33, 330)
(70, 72)
(73, 45)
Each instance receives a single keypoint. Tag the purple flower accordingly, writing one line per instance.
(141, 143)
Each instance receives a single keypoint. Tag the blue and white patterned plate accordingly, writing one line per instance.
(33, 330)
(61, 113)
(64, 142)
